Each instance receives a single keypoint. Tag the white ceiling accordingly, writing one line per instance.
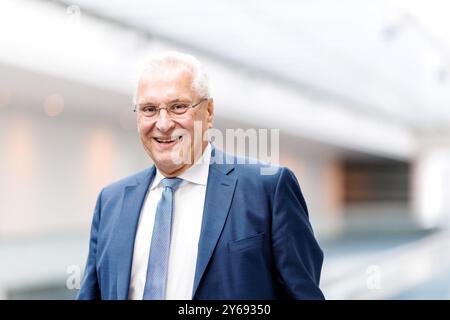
(50, 43)
(390, 58)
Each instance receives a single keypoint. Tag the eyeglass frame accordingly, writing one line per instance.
(158, 109)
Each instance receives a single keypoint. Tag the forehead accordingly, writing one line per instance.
(164, 85)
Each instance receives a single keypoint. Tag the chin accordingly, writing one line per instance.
(168, 161)
(173, 159)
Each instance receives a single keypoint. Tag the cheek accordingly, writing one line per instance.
(187, 123)
(144, 127)
(202, 120)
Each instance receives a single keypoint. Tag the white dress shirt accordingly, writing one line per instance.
(189, 199)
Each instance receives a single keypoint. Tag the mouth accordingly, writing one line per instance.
(168, 141)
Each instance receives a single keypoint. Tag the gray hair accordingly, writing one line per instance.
(174, 59)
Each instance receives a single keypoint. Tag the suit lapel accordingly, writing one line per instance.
(126, 227)
(219, 193)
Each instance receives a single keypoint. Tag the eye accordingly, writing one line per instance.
(149, 109)
(179, 107)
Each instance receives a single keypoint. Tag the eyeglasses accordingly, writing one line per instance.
(175, 109)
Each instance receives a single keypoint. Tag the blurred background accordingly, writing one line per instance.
(360, 91)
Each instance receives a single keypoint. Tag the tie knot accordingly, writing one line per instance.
(171, 183)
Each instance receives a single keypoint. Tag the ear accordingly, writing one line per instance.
(210, 110)
(137, 125)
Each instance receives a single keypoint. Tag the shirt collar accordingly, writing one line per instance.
(198, 173)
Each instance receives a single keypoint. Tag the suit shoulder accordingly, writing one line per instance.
(263, 172)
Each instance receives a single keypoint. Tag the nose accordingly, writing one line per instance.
(164, 123)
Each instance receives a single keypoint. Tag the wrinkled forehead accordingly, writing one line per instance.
(159, 85)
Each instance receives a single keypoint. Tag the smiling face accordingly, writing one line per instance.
(170, 140)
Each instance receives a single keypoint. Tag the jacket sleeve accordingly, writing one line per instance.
(90, 287)
(298, 257)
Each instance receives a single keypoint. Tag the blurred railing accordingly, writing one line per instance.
(388, 273)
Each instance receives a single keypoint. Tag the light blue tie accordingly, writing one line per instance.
(158, 260)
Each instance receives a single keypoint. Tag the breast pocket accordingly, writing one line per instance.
(245, 244)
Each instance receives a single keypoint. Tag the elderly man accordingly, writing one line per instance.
(198, 224)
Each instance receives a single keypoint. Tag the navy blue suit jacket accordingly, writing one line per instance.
(256, 241)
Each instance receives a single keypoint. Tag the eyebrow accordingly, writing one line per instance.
(170, 102)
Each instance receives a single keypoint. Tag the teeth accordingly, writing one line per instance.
(167, 140)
